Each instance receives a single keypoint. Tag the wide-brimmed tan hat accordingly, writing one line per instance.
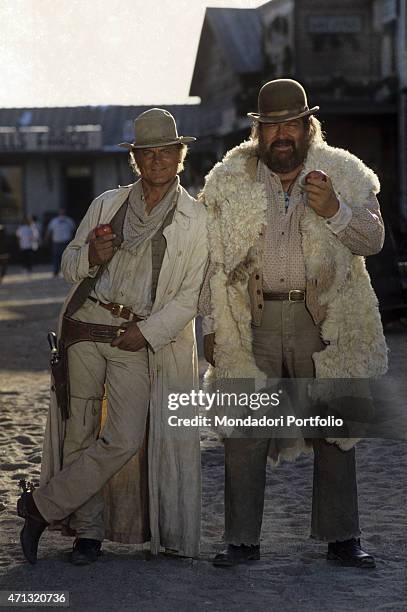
(282, 100)
(155, 128)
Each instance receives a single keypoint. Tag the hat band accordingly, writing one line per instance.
(296, 111)
(157, 140)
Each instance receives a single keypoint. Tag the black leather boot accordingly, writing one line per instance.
(34, 522)
(235, 555)
(349, 554)
(85, 551)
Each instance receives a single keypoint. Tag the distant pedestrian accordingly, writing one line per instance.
(24, 234)
(35, 227)
(60, 230)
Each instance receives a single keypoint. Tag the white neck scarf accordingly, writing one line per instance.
(140, 227)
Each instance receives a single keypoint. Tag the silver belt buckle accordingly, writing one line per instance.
(296, 292)
(113, 311)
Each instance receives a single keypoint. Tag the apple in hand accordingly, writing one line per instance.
(316, 175)
(103, 229)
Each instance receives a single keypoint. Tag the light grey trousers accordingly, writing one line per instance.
(283, 346)
(91, 457)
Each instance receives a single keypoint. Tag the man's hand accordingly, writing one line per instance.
(321, 197)
(209, 348)
(101, 249)
(132, 339)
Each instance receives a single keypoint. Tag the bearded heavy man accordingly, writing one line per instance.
(127, 327)
(287, 294)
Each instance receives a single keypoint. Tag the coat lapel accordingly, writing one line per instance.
(174, 235)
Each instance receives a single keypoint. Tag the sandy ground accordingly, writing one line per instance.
(292, 574)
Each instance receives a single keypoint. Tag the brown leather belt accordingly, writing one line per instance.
(295, 295)
(77, 331)
(117, 310)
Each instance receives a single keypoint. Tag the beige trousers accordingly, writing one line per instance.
(91, 457)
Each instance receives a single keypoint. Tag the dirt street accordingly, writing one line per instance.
(292, 574)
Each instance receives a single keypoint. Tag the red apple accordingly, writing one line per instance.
(316, 175)
(103, 229)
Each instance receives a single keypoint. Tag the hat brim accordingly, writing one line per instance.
(149, 145)
(280, 119)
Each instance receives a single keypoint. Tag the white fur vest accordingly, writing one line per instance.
(236, 204)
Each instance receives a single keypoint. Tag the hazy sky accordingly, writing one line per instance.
(77, 52)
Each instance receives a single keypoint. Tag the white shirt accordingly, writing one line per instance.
(61, 228)
(127, 278)
(25, 237)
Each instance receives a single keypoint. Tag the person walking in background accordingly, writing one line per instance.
(35, 227)
(60, 230)
(25, 237)
(36, 237)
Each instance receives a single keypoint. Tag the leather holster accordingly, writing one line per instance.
(72, 332)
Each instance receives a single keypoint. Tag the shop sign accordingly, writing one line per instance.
(39, 138)
(334, 24)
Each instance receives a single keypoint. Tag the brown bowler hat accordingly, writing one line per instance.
(282, 100)
(155, 128)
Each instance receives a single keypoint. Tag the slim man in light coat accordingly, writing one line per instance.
(129, 326)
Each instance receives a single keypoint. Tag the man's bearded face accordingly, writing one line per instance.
(283, 146)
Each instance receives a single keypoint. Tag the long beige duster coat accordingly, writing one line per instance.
(156, 497)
